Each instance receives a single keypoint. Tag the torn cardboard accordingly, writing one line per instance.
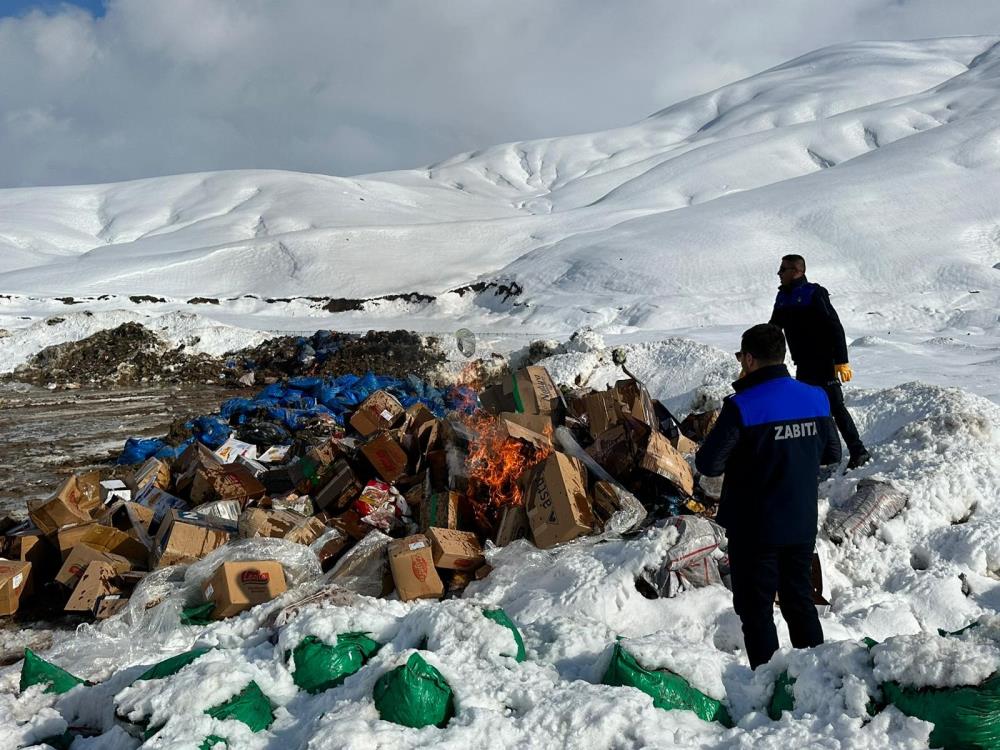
(228, 482)
(662, 458)
(533, 391)
(440, 510)
(386, 456)
(184, 537)
(71, 504)
(96, 581)
(380, 411)
(556, 501)
(80, 557)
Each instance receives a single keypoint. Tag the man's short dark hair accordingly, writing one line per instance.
(795, 260)
(765, 342)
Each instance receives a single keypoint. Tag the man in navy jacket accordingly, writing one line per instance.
(802, 310)
(770, 440)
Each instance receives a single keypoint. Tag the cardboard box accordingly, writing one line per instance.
(533, 391)
(513, 525)
(159, 502)
(663, 459)
(80, 557)
(113, 490)
(154, 472)
(387, 457)
(440, 510)
(282, 524)
(69, 536)
(116, 542)
(413, 571)
(14, 578)
(512, 430)
(683, 444)
(237, 586)
(556, 501)
(380, 411)
(26, 543)
(194, 458)
(340, 491)
(254, 466)
(110, 605)
(314, 469)
(97, 580)
(455, 550)
(635, 399)
(620, 449)
(227, 482)
(129, 517)
(232, 449)
(416, 415)
(604, 411)
(69, 505)
(185, 536)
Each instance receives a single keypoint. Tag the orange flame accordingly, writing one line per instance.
(496, 463)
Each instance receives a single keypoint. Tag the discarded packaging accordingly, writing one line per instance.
(413, 569)
(185, 536)
(80, 557)
(455, 550)
(872, 504)
(15, 576)
(556, 501)
(380, 411)
(387, 457)
(238, 586)
(96, 581)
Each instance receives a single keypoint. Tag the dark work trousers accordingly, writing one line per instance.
(845, 424)
(758, 572)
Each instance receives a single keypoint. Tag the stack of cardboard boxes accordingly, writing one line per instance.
(400, 471)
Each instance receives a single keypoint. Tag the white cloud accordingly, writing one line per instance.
(163, 86)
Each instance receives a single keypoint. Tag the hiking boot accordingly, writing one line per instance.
(859, 460)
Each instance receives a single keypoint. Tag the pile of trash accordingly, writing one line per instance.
(126, 355)
(132, 354)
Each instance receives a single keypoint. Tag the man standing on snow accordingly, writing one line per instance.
(770, 440)
(818, 345)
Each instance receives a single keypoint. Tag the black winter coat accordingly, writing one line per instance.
(813, 330)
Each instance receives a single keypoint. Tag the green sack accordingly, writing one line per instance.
(414, 695)
(171, 666)
(37, 671)
(963, 717)
(668, 690)
(250, 706)
(198, 614)
(212, 741)
(320, 666)
(782, 699)
(501, 618)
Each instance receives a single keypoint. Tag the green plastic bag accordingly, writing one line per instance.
(211, 742)
(37, 671)
(198, 614)
(171, 666)
(250, 706)
(320, 666)
(668, 690)
(963, 717)
(782, 699)
(502, 618)
(414, 695)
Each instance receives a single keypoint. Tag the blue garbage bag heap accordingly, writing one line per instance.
(291, 404)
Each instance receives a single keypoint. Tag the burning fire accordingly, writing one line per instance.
(496, 463)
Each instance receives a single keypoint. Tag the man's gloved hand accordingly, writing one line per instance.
(844, 372)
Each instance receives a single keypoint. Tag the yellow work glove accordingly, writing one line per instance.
(844, 372)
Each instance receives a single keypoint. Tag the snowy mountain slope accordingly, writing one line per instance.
(549, 213)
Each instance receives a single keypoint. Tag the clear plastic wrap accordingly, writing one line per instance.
(692, 561)
(364, 568)
(872, 504)
(630, 513)
(228, 509)
(300, 562)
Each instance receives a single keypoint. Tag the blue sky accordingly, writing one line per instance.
(20, 7)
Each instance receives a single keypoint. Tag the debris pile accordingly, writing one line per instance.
(132, 354)
(393, 484)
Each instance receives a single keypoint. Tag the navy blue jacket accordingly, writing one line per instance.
(812, 328)
(770, 439)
